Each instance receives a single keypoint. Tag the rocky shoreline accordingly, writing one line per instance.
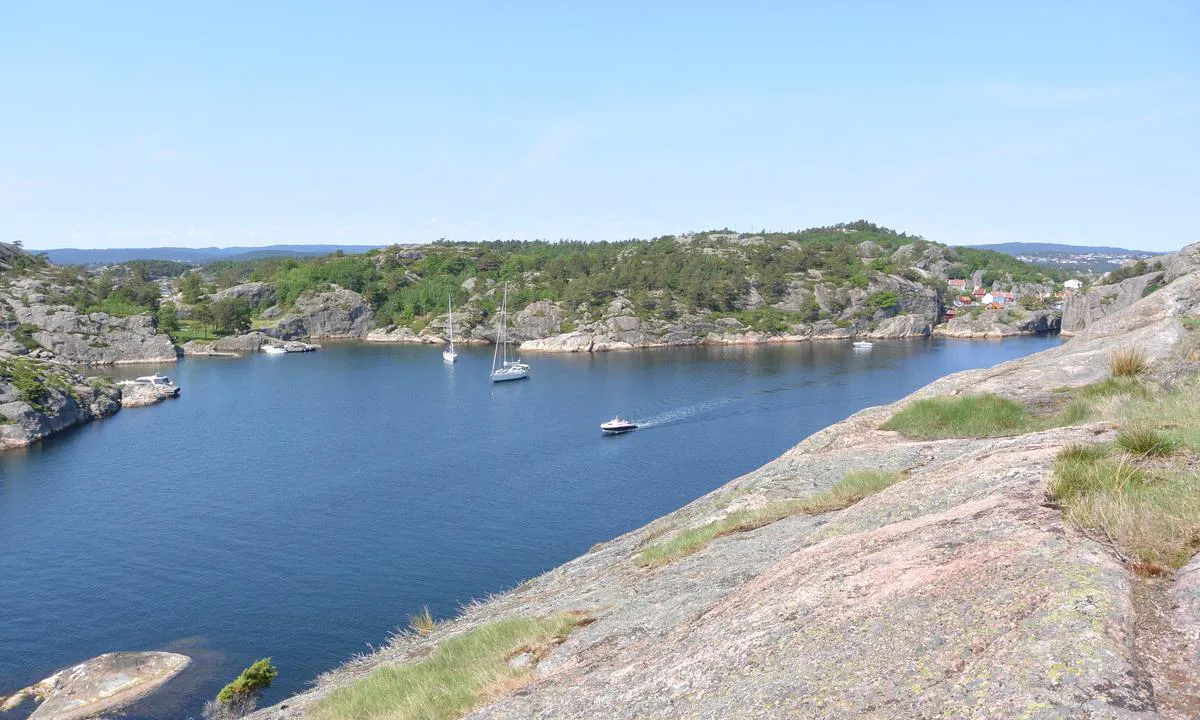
(957, 591)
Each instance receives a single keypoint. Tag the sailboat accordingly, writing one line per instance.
(502, 367)
(449, 355)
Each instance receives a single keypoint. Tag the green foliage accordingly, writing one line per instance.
(984, 415)
(30, 379)
(168, 320)
(191, 287)
(24, 335)
(1132, 270)
(231, 315)
(252, 680)
(883, 300)
(460, 674)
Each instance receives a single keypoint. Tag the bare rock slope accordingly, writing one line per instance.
(956, 592)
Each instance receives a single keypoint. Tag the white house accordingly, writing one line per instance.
(1072, 284)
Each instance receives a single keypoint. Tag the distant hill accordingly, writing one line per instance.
(109, 256)
(1020, 248)
(1097, 259)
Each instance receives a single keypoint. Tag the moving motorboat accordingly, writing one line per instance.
(618, 425)
(502, 367)
(863, 345)
(449, 355)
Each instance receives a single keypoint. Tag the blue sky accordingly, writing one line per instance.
(134, 124)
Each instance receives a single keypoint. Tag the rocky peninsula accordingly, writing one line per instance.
(963, 584)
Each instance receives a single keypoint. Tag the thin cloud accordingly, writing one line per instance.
(552, 146)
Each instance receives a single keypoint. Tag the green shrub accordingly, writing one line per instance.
(251, 681)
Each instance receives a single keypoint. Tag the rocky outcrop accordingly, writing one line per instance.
(102, 684)
(38, 399)
(337, 313)
(258, 294)
(956, 592)
(1085, 308)
(1000, 323)
(901, 326)
(80, 338)
(135, 395)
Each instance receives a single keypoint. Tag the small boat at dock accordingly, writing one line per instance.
(273, 350)
(617, 426)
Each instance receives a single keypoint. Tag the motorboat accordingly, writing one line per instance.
(618, 425)
(273, 350)
(161, 383)
(863, 345)
(502, 367)
(449, 355)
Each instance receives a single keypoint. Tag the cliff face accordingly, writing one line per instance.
(958, 591)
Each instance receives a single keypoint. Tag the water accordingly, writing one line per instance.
(303, 506)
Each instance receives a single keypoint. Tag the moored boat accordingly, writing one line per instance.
(502, 367)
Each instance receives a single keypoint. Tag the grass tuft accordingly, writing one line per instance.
(1145, 441)
(1153, 519)
(1129, 362)
(855, 486)
(461, 673)
(422, 623)
(965, 416)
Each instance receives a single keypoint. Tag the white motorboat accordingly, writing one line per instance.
(863, 345)
(504, 368)
(618, 425)
(273, 350)
(162, 383)
(449, 355)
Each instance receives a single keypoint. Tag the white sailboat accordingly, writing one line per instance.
(449, 355)
(502, 367)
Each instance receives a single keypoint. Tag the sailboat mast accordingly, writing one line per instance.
(450, 319)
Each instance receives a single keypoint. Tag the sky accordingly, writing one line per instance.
(253, 123)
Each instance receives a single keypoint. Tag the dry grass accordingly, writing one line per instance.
(1130, 494)
(1129, 362)
(855, 486)
(422, 623)
(462, 673)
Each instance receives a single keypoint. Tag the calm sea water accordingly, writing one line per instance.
(303, 506)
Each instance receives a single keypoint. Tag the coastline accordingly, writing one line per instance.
(963, 549)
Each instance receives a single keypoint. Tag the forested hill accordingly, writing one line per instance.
(717, 271)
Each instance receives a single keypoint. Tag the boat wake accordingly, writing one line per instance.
(691, 413)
